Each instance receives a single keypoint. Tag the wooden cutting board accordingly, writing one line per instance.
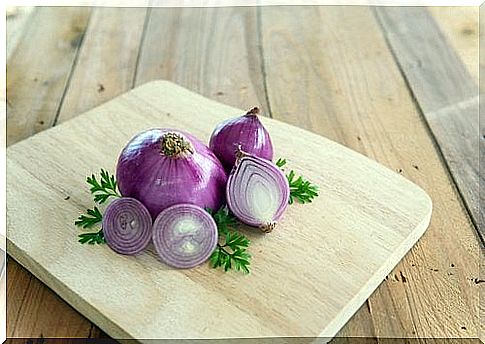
(308, 277)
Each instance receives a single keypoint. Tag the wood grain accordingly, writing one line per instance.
(447, 95)
(238, 25)
(67, 323)
(35, 87)
(242, 52)
(107, 59)
(460, 27)
(35, 311)
(17, 21)
(39, 68)
(349, 255)
(481, 220)
(99, 64)
(212, 51)
(338, 89)
(3, 305)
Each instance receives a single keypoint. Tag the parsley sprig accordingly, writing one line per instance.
(92, 238)
(105, 189)
(300, 189)
(102, 190)
(92, 218)
(231, 251)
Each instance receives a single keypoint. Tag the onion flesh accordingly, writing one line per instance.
(246, 131)
(257, 192)
(127, 226)
(184, 235)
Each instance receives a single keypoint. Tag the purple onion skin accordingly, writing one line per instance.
(160, 181)
(127, 226)
(238, 188)
(169, 241)
(246, 131)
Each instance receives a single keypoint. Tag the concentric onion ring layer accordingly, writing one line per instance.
(184, 235)
(257, 191)
(127, 226)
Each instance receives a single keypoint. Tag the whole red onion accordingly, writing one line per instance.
(246, 131)
(163, 167)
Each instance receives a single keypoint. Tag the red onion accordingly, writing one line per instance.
(246, 131)
(163, 167)
(184, 235)
(257, 191)
(127, 226)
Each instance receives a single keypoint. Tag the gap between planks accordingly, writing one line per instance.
(428, 104)
(71, 72)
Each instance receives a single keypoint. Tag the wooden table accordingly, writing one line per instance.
(399, 85)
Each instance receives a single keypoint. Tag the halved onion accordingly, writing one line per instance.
(127, 226)
(257, 192)
(184, 235)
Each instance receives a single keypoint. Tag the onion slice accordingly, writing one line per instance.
(257, 191)
(127, 226)
(184, 235)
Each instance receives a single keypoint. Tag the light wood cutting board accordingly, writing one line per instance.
(308, 277)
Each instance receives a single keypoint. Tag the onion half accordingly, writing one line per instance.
(257, 192)
(184, 235)
(246, 131)
(127, 226)
(163, 167)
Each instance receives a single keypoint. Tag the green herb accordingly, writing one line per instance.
(104, 190)
(281, 162)
(300, 189)
(92, 238)
(224, 219)
(93, 217)
(232, 253)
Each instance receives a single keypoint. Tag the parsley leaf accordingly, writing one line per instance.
(281, 162)
(92, 238)
(93, 217)
(300, 189)
(104, 189)
(232, 253)
(224, 219)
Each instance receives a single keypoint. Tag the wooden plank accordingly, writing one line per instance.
(212, 51)
(329, 70)
(17, 21)
(99, 63)
(39, 312)
(102, 72)
(3, 305)
(17, 286)
(36, 311)
(194, 22)
(39, 68)
(34, 90)
(107, 60)
(314, 245)
(460, 27)
(481, 220)
(447, 95)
